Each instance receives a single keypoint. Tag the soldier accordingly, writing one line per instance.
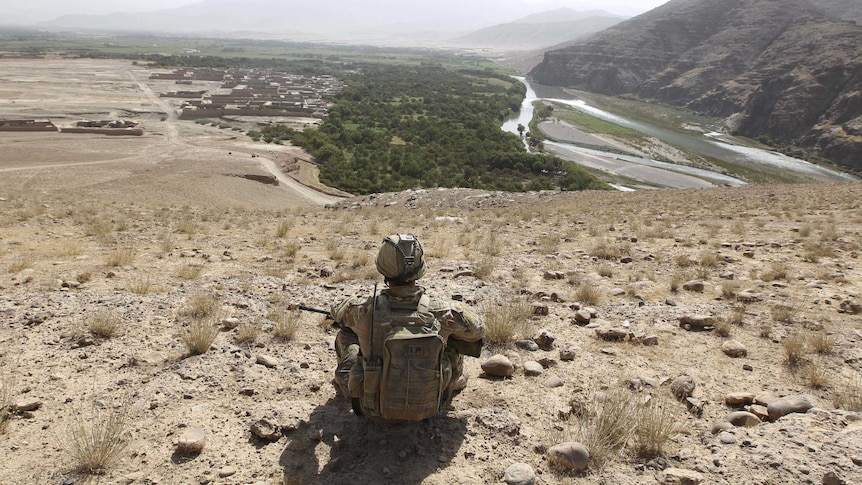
(372, 329)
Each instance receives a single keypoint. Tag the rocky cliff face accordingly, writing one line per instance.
(783, 69)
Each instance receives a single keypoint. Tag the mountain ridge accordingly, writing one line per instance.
(783, 70)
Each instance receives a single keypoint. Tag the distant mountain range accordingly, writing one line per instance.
(369, 20)
(540, 30)
(784, 69)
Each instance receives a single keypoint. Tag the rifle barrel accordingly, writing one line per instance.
(313, 309)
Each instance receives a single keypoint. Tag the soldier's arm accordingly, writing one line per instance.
(347, 313)
(463, 323)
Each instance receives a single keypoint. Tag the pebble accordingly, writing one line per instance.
(519, 474)
(533, 368)
(498, 366)
(697, 322)
(650, 340)
(721, 425)
(680, 476)
(695, 285)
(739, 398)
(191, 442)
(583, 316)
(266, 429)
(230, 323)
(527, 345)
(786, 405)
(545, 339)
(553, 382)
(734, 349)
(743, 419)
(266, 361)
(682, 387)
(569, 456)
(567, 355)
(226, 471)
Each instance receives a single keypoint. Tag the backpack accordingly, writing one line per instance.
(403, 377)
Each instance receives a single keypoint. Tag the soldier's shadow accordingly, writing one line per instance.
(335, 446)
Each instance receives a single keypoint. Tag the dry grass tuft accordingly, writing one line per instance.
(821, 342)
(608, 423)
(794, 348)
(783, 313)
(189, 272)
(658, 421)
(848, 395)
(247, 333)
(723, 327)
(484, 268)
(588, 294)
(729, 289)
(6, 386)
(201, 306)
(120, 257)
(506, 319)
(96, 439)
(286, 324)
(104, 323)
(199, 335)
(283, 229)
(22, 262)
(817, 373)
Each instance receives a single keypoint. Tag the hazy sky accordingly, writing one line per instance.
(39, 10)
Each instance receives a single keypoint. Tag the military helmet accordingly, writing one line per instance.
(401, 258)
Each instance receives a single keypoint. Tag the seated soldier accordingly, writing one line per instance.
(365, 335)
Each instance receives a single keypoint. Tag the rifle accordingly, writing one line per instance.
(312, 309)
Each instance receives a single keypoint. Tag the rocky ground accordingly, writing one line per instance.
(627, 293)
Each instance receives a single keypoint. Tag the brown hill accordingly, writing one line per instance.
(785, 70)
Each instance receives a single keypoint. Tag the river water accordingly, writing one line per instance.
(709, 144)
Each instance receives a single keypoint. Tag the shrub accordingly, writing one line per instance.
(505, 319)
(729, 289)
(783, 313)
(605, 270)
(104, 323)
(140, 286)
(817, 374)
(21, 263)
(283, 228)
(821, 342)
(484, 268)
(189, 272)
(96, 439)
(723, 327)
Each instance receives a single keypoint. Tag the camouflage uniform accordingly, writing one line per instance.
(353, 340)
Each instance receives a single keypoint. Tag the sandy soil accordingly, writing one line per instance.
(141, 228)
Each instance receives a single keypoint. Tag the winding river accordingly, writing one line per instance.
(654, 172)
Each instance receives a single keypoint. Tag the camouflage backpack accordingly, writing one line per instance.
(403, 377)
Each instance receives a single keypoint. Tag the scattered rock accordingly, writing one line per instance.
(682, 387)
(743, 419)
(734, 349)
(567, 355)
(571, 456)
(26, 405)
(527, 345)
(739, 398)
(721, 425)
(266, 361)
(680, 476)
(499, 421)
(533, 368)
(230, 323)
(519, 474)
(612, 334)
(266, 429)
(554, 275)
(226, 471)
(498, 366)
(786, 405)
(583, 316)
(697, 322)
(695, 285)
(540, 309)
(553, 382)
(191, 442)
(748, 296)
(650, 340)
(545, 339)
(851, 307)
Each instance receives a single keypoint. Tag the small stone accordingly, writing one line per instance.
(533, 368)
(26, 405)
(569, 456)
(266, 429)
(697, 322)
(743, 419)
(695, 285)
(734, 349)
(540, 309)
(786, 405)
(545, 339)
(266, 361)
(612, 334)
(519, 474)
(760, 411)
(727, 438)
(832, 478)
(650, 340)
(553, 382)
(680, 476)
(191, 442)
(326, 272)
(554, 275)
(583, 316)
(567, 355)
(739, 398)
(230, 323)
(527, 345)
(498, 366)
(721, 425)
(682, 387)
(226, 471)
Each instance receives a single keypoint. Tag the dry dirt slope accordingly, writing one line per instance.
(795, 248)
